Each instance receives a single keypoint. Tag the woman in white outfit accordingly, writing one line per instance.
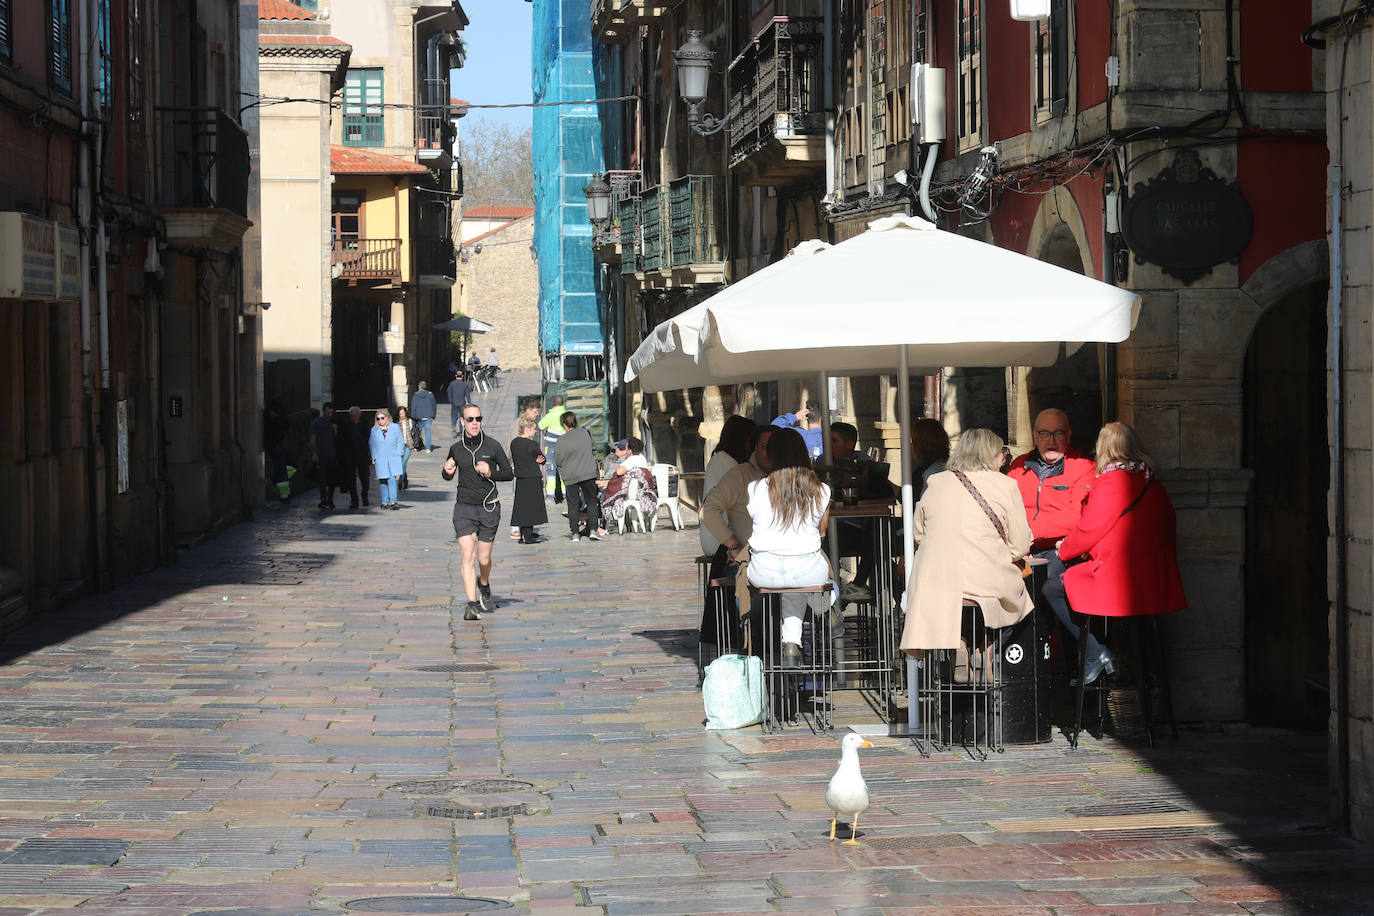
(789, 509)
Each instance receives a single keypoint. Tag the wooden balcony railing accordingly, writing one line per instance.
(368, 259)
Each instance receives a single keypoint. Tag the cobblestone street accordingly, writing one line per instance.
(295, 717)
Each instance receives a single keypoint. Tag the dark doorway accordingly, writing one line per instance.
(1286, 643)
(361, 374)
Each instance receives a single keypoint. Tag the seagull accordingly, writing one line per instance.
(847, 792)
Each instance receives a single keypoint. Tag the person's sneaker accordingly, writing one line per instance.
(576, 538)
(597, 535)
(791, 655)
(472, 612)
(484, 597)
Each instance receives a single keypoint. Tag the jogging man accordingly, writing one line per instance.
(478, 461)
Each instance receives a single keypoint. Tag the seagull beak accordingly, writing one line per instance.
(866, 744)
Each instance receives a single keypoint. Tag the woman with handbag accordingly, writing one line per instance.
(970, 530)
(1127, 533)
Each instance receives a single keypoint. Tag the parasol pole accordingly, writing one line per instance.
(913, 715)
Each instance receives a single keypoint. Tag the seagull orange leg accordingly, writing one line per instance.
(832, 825)
(853, 832)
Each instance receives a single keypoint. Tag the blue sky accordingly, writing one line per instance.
(498, 59)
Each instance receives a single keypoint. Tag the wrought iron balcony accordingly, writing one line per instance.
(628, 217)
(436, 262)
(434, 130)
(777, 117)
(367, 259)
(208, 152)
(679, 231)
(625, 184)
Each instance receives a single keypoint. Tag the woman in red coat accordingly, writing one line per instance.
(1127, 534)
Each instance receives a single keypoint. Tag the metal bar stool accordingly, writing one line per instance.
(1143, 656)
(960, 690)
(813, 673)
(716, 598)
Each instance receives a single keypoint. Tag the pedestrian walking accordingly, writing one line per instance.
(552, 428)
(529, 409)
(326, 454)
(527, 510)
(423, 409)
(577, 463)
(354, 459)
(406, 426)
(478, 461)
(388, 457)
(459, 396)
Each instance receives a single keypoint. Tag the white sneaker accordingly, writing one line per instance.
(576, 538)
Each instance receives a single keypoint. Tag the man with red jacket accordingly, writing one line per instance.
(1054, 481)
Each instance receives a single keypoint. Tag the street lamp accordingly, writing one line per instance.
(598, 194)
(693, 62)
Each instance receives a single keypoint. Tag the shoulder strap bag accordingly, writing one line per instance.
(992, 517)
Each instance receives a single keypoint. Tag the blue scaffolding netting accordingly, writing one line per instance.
(567, 152)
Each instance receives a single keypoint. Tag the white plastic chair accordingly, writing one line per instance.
(666, 482)
(632, 486)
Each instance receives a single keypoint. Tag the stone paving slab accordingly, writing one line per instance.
(223, 735)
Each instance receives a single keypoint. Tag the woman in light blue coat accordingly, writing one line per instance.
(388, 449)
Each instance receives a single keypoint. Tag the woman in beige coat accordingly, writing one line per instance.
(959, 552)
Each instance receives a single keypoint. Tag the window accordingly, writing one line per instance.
(968, 122)
(311, 5)
(348, 221)
(60, 46)
(1051, 59)
(102, 26)
(362, 108)
(6, 44)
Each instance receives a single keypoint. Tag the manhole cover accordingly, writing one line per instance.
(460, 669)
(424, 904)
(461, 786)
(937, 841)
(473, 812)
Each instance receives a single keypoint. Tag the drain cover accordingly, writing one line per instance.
(473, 812)
(935, 841)
(424, 904)
(436, 607)
(461, 786)
(461, 669)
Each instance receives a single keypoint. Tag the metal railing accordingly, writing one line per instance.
(625, 184)
(367, 259)
(651, 236)
(434, 126)
(208, 151)
(436, 257)
(779, 80)
(628, 218)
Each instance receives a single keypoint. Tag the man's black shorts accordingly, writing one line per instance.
(476, 517)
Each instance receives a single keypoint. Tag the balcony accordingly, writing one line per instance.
(434, 130)
(777, 118)
(611, 21)
(628, 224)
(204, 194)
(625, 184)
(436, 263)
(367, 259)
(679, 232)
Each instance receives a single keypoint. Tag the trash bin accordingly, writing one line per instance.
(1025, 699)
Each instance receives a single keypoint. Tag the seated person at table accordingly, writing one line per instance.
(615, 498)
(969, 529)
(806, 421)
(725, 513)
(789, 510)
(929, 452)
(1054, 481)
(844, 444)
(1127, 533)
(735, 446)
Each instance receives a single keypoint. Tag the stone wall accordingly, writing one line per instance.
(500, 285)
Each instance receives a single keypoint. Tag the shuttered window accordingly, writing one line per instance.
(6, 48)
(60, 45)
(362, 108)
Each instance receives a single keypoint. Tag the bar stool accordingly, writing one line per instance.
(814, 672)
(1138, 623)
(716, 598)
(960, 690)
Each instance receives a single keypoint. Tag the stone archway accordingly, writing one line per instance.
(1059, 236)
(1284, 444)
